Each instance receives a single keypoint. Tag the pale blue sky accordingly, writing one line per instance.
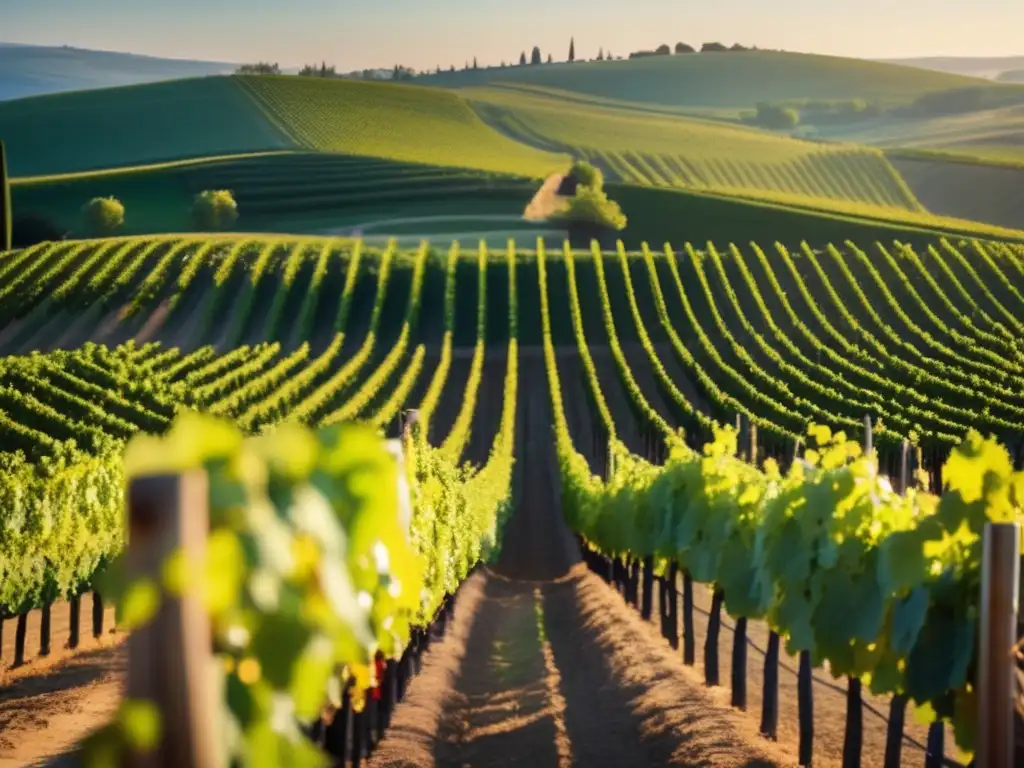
(421, 34)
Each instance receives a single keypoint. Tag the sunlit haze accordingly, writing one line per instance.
(355, 35)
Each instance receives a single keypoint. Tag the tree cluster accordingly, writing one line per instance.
(259, 68)
(684, 48)
(312, 70)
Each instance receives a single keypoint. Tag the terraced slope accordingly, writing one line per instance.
(400, 122)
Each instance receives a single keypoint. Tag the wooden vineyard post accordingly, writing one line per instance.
(44, 630)
(170, 657)
(689, 641)
(97, 615)
(711, 642)
(997, 665)
(898, 705)
(673, 606)
(75, 619)
(739, 639)
(739, 664)
(853, 737)
(647, 598)
(20, 632)
(805, 708)
(770, 694)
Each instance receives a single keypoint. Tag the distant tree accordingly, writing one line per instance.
(549, 59)
(640, 54)
(259, 68)
(522, 59)
(610, 56)
(438, 72)
(684, 48)
(503, 65)
(663, 50)
(776, 116)
(600, 54)
(713, 48)
(103, 216)
(474, 63)
(572, 49)
(312, 70)
(451, 68)
(738, 47)
(214, 209)
(535, 56)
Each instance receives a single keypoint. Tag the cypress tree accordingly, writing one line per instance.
(6, 224)
(572, 49)
(535, 56)
(522, 59)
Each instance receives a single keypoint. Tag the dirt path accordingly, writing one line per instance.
(560, 674)
(47, 714)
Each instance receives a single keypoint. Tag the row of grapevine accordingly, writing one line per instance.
(856, 575)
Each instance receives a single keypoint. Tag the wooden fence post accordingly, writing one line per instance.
(170, 657)
(997, 665)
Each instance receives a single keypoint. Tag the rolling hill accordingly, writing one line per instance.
(969, 66)
(34, 70)
(721, 80)
(132, 125)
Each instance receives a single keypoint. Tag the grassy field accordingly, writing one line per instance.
(133, 125)
(731, 80)
(400, 122)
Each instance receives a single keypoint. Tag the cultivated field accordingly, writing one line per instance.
(571, 403)
(263, 330)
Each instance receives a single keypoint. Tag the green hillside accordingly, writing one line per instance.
(664, 150)
(87, 130)
(400, 122)
(294, 191)
(722, 80)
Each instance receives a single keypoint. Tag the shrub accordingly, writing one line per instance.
(662, 50)
(684, 48)
(776, 117)
(586, 174)
(103, 215)
(591, 207)
(713, 48)
(214, 209)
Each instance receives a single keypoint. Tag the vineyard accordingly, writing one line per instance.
(298, 191)
(635, 360)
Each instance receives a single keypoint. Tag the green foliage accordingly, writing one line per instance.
(214, 209)
(586, 174)
(591, 207)
(103, 216)
(776, 117)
